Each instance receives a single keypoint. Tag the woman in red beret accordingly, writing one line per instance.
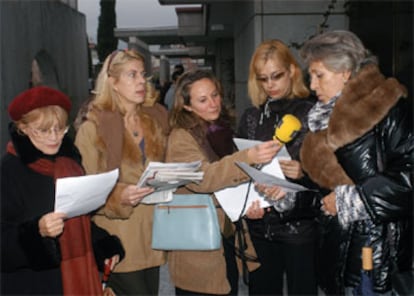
(42, 252)
(118, 133)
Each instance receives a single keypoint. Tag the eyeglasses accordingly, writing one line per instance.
(46, 133)
(273, 77)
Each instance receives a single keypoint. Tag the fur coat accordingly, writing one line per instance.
(369, 144)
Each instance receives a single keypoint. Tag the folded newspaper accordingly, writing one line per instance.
(167, 177)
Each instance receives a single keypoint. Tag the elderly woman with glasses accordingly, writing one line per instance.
(360, 148)
(42, 252)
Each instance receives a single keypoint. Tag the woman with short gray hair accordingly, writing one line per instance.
(360, 149)
(339, 50)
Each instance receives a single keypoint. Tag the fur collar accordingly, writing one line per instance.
(28, 153)
(116, 143)
(365, 101)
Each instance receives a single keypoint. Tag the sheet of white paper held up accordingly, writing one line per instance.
(76, 196)
(232, 199)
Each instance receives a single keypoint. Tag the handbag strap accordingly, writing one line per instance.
(240, 247)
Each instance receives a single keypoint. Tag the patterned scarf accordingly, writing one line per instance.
(320, 113)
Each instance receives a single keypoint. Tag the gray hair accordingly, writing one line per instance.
(338, 50)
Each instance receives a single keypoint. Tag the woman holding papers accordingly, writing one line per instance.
(360, 147)
(118, 134)
(201, 131)
(284, 235)
(42, 252)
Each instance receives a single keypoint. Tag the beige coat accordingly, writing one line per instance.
(105, 145)
(202, 271)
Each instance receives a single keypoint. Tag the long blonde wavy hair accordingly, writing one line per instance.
(105, 97)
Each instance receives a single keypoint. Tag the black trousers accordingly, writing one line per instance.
(142, 282)
(278, 258)
(231, 267)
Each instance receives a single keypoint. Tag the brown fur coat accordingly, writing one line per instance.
(365, 100)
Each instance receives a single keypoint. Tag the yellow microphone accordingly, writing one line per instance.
(287, 128)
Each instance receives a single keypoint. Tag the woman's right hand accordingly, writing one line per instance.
(132, 194)
(51, 224)
(263, 152)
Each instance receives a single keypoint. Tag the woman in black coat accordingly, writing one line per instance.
(284, 235)
(43, 252)
(360, 148)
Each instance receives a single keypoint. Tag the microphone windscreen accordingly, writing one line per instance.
(287, 128)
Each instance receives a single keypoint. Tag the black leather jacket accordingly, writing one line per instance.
(298, 223)
(370, 134)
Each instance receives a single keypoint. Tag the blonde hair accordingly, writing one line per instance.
(274, 50)
(152, 95)
(105, 96)
(47, 116)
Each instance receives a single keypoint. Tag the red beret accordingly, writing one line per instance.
(37, 97)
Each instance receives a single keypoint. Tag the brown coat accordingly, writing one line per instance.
(105, 145)
(202, 271)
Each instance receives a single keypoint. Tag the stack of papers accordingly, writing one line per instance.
(165, 178)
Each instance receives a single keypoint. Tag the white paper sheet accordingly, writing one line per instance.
(246, 143)
(232, 199)
(76, 196)
(269, 179)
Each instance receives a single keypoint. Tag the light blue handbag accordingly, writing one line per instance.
(188, 222)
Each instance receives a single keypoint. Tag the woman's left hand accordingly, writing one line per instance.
(329, 204)
(255, 211)
(291, 168)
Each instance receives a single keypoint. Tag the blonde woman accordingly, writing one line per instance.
(284, 234)
(118, 134)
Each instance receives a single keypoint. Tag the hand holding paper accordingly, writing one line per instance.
(232, 199)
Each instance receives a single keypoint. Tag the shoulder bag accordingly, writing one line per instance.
(188, 222)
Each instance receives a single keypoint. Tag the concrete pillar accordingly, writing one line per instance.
(164, 70)
(141, 47)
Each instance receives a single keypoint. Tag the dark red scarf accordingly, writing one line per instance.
(80, 274)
